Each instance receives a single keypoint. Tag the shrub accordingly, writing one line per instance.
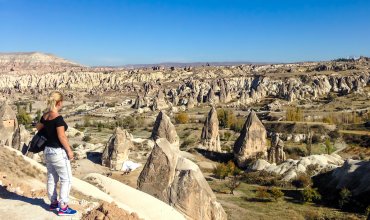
(232, 169)
(294, 114)
(295, 151)
(226, 118)
(328, 146)
(232, 184)
(276, 193)
(182, 118)
(314, 215)
(262, 193)
(86, 138)
(77, 134)
(301, 181)
(328, 120)
(220, 171)
(23, 117)
(344, 197)
(237, 126)
(226, 136)
(310, 195)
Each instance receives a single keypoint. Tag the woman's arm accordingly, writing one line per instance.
(64, 141)
(39, 126)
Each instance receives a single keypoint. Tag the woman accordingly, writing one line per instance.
(58, 155)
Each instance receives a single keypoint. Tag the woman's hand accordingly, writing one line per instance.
(70, 155)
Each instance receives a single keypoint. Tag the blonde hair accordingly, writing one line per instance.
(54, 98)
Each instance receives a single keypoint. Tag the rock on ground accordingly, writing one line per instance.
(252, 140)
(163, 128)
(290, 169)
(117, 149)
(210, 133)
(179, 182)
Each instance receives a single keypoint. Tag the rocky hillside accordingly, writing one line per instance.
(33, 61)
(232, 85)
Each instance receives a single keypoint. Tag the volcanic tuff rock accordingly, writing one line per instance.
(21, 138)
(252, 140)
(8, 123)
(276, 153)
(353, 175)
(210, 136)
(163, 128)
(18, 62)
(290, 168)
(159, 102)
(179, 182)
(117, 149)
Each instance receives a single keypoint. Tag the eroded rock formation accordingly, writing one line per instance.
(210, 133)
(276, 153)
(117, 149)
(8, 124)
(252, 140)
(163, 128)
(179, 182)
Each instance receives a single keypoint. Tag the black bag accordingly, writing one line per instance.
(38, 142)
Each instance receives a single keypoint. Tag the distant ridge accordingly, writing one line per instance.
(195, 64)
(34, 61)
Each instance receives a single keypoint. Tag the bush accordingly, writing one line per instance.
(77, 134)
(294, 114)
(226, 118)
(262, 193)
(302, 181)
(232, 184)
(220, 171)
(182, 118)
(344, 197)
(310, 195)
(328, 146)
(232, 169)
(276, 193)
(86, 138)
(237, 126)
(295, 152)
(226, 136)
(23, 117)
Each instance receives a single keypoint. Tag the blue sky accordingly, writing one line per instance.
(108, 32)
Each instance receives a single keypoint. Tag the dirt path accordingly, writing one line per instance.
(13, 206)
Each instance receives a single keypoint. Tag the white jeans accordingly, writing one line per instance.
(59, 168)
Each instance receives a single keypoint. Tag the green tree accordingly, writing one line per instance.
(328, 146)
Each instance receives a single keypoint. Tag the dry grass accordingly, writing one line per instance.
(244, 205)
